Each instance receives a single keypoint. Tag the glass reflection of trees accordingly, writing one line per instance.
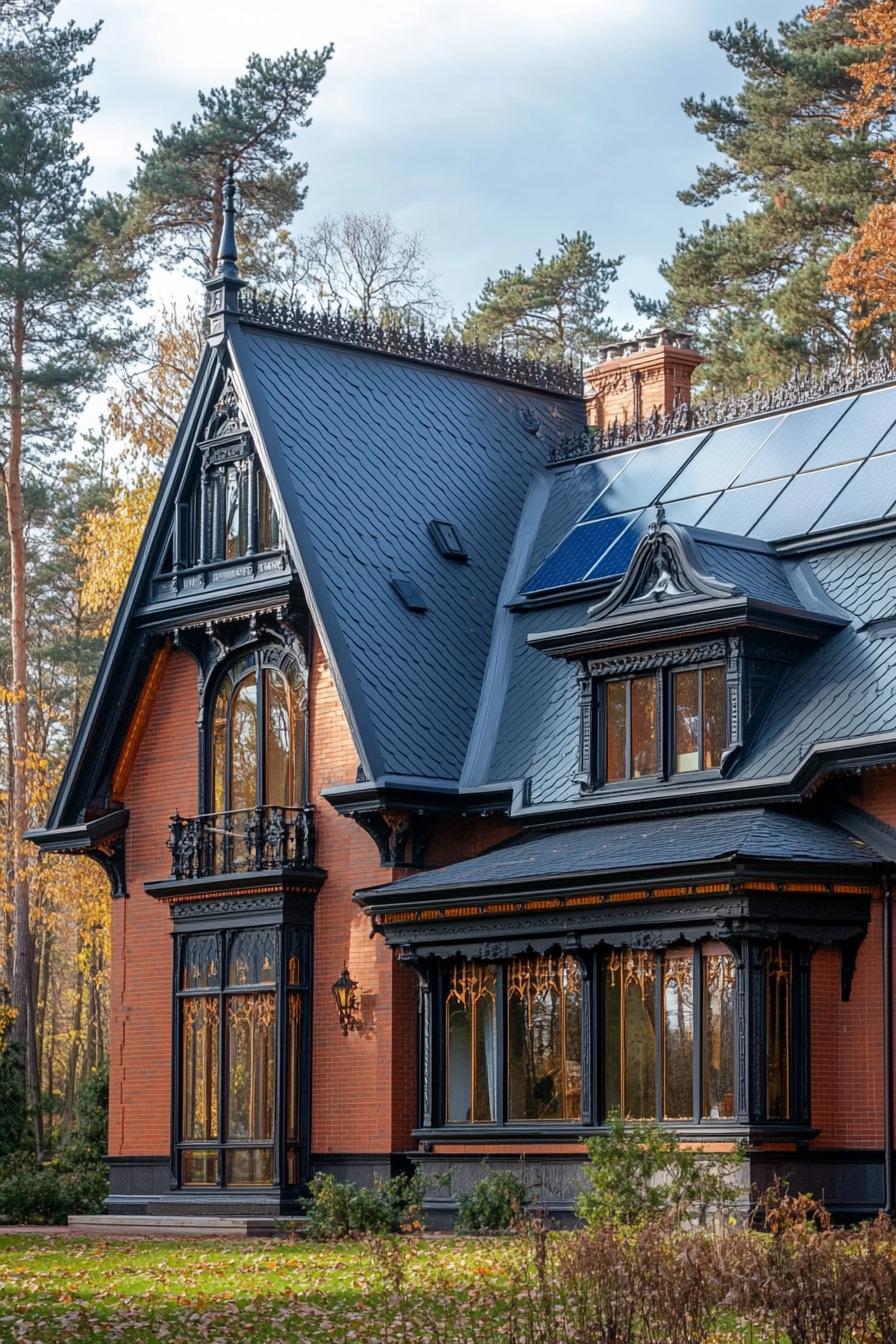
(257, 738)
(238, 1118)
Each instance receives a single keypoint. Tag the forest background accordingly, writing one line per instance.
(799, 274)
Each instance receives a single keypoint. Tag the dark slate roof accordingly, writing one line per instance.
(754, 570)
(603, 851)
(365, 451)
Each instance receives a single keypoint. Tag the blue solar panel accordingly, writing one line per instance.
(863, 426)
(617, 559)
(739, 509)
(578, 551)
(802, 500)
(721, 457)
(868, 495)
(795, 439)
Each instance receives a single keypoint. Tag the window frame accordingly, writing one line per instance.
(288, 1155)
(592, 774)
(266, 658)
(750, 1107)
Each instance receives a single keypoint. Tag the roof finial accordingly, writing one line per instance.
(227, 266)
(223, 289)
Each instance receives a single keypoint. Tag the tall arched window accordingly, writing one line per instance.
(258, 734)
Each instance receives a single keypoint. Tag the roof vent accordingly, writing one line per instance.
(448, 540)
(408, 591)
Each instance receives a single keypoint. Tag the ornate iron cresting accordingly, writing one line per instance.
(837, 380)
(409, 342)
(250, 840)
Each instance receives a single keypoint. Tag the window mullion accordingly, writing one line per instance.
(659, 1009)
(697, 1033)
(502, 1063)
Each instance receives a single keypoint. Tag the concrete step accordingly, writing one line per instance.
(182, 1225)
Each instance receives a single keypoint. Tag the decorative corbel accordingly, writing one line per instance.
(400, 835)
(109, 854)
(849, 952)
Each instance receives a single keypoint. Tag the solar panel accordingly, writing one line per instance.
(616, 561)
(646, 476)
(803, 499)
(864, 425)
(795, 439)
(579, 550)
(722, 455)
(869, 494)
(689, 511)
(741, 508)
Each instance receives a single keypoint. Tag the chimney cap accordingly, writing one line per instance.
(648, 340)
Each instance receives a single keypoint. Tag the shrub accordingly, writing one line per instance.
(493, 1205)
(639, 1173)
(87, 1145)
(35, 1193)
(338, 1209)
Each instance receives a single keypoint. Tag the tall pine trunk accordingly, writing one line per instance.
(23, 1027)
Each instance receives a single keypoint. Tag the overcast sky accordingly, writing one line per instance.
(491, 125)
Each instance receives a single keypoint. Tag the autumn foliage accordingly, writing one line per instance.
(866, 272)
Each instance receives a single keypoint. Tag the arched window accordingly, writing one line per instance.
(258, 734)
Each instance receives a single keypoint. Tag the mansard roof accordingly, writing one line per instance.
(795, 508)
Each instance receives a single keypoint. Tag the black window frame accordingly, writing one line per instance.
(291, 940)
(591, 774)
(266, 657)
(750, 1055)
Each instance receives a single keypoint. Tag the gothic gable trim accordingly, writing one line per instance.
(664, 568)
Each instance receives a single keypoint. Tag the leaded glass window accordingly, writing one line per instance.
(228, 1122)
(471, 1044)
(544, 1030)
(257, 736)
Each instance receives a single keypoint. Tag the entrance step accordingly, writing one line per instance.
(179, 1225)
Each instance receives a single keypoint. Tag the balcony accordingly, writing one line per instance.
(251, 840)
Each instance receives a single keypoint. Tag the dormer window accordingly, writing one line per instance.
(630, 728)
(698, 719)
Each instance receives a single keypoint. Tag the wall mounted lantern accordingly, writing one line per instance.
(347, 1002)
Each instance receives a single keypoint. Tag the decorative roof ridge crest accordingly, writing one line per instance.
(801, 389)
(408, 342)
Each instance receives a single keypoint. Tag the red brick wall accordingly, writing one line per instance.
(164, 779)
(847, 1038)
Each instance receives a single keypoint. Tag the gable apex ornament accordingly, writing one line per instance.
(223, 289)
(664, 568)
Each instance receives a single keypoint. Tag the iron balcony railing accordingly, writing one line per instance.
(249, 840)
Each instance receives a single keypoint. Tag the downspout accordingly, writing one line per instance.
(887, 959)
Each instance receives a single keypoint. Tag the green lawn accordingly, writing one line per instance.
(216, 1292)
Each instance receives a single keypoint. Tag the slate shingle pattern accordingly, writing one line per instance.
(759, 574)
(602, 851)
(371, 449)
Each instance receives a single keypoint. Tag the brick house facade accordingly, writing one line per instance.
(561, 735)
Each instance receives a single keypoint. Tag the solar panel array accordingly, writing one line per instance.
(782, 476)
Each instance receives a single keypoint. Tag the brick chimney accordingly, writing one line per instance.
(634, 378)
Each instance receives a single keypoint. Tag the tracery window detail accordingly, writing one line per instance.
(544, 1024)
(257, 736)
(228, 1123)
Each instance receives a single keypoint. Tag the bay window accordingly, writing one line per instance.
(663, 1028)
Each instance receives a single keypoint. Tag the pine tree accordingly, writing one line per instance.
(553, 311)
(64, 279)
(178, 193)
(754, 286)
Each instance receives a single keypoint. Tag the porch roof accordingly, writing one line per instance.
(661, 846)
